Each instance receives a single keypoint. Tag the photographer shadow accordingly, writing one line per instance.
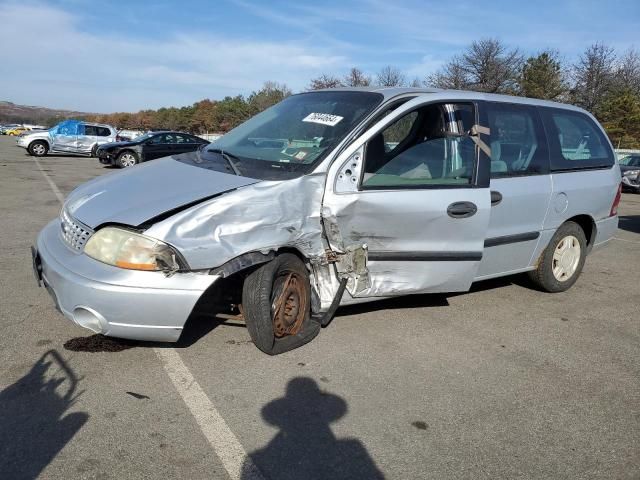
(305, 447)
(34, 423)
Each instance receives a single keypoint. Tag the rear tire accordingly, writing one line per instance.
(38, 148)
(127, 159)
(561, 262)
(276, 301)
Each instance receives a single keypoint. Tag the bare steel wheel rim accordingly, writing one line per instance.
(127, 160)
(38, 149)
(566, 258)
(288, 304)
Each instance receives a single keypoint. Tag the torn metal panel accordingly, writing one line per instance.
(353, 266)
(262, 217)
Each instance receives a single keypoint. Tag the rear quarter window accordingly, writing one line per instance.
(576, 142)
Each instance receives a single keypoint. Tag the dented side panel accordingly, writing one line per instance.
(262, 217)
(409, 242)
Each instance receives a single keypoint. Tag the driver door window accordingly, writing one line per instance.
(428, 147)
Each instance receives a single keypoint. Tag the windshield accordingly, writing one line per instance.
(631, 161)
(290, 138)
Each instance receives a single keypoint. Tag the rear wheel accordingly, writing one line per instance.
(38, 148)
(127, 159)
(561, 262)
(276, 301)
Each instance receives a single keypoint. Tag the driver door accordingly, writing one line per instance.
(406, 206)
(65, 139)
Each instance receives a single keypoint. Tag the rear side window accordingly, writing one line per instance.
(517, 141)
(103, 131)
(90, 130)
(575, 140)
(183, 139)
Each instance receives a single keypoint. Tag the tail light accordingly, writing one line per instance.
(616, 202)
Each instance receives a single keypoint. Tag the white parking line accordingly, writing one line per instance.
(625, 240)
(53, 186)
(233, 456)
(225, 444)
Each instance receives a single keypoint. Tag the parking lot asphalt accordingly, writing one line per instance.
(502, 382)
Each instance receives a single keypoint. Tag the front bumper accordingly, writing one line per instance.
(106, 158)
(22, 142)
(631, 183)
(113, 301)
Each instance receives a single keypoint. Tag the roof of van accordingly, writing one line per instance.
(391, 92)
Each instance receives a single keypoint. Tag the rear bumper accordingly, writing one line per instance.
(605, 231)
(112, 301)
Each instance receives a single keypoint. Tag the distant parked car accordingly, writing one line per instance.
(70, 136)
(5, 128)
(15, 131)
(630, 168)
(147, 147)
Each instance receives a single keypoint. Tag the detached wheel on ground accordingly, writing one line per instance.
(562, 261)
(276, 300)
(127, 159)
(38, 148)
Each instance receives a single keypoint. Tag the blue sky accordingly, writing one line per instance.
(117, 55)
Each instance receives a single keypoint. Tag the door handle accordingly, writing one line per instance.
(496, 198)
(462, 209)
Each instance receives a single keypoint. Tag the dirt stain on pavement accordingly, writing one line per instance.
(98, 343)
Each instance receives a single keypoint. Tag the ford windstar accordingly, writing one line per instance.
(331, 198)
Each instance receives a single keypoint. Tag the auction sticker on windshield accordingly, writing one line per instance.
(323, 119)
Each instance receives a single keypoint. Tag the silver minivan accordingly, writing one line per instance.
(331, 198)
(69, 137)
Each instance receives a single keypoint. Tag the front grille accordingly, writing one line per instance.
(74, 233)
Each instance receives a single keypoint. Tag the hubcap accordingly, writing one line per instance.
(288, 304)
(38, 149)
(128, 160)
(566, 258)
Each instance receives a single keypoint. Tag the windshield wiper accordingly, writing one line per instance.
(228, 158)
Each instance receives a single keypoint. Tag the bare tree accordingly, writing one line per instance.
(390, 77)
(593, 76)
(485, 66)
(325, 81)
(356, 78)
(627, 74)
(415, 83)
(451, 76)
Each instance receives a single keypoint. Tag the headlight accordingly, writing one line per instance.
(631, 173)
(125, 249)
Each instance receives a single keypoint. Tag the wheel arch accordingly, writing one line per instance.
(588, 225)
(249, 260)
(41, 140)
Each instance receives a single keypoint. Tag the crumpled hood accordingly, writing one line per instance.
(136, 194)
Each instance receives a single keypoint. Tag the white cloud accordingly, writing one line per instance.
(58, 64)
(427, 65)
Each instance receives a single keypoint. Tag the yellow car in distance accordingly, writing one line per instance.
(14, 132)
